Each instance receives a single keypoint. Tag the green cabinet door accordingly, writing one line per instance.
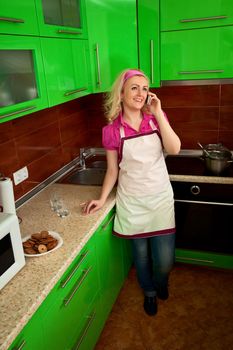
(148, 38)
(66, 306)
(90, 328)
(22, 81)
(204, 258)
(31, 337)
(62, 18)
(109, 252)
(176, 15)
(66, 69)
(112, 32)
(18, 17)
(197, 54)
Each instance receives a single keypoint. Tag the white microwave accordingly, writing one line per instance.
(11, 249)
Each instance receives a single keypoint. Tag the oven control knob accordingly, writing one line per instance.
(195, 190)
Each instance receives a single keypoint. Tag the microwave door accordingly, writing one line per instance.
(7, 258)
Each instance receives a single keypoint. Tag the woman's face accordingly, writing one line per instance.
(135, 92)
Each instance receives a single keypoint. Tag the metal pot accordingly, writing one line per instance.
(217, 158)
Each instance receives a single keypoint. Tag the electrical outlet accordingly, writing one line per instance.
(20, 175)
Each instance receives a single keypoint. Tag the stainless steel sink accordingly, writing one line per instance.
(88, 176)
(100, 164)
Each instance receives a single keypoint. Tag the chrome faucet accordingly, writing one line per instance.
(84, 152)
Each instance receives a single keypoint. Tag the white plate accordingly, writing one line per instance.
(53, 234)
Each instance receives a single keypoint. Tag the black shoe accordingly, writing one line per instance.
(150, 305)
(162, 293)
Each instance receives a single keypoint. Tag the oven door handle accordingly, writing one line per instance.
(201, 202)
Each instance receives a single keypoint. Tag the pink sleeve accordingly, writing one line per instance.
(110, 140)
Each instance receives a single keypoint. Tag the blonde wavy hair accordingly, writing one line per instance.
(112, 100)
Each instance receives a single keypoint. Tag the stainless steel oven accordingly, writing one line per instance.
(203, 210)
(204, 213)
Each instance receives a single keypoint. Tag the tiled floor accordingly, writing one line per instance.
(198, 314)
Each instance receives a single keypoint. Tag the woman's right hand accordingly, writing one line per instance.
(92, 206)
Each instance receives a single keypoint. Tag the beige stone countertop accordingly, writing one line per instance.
(204, 179)
(23, 295)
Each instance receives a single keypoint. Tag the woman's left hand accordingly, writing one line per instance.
(154, 107)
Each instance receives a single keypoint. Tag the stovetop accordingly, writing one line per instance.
(191, 163)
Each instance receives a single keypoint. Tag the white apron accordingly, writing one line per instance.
(144, 200)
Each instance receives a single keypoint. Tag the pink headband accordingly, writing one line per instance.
(131, 73)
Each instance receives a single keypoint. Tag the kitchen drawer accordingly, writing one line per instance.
(90, 327)
(31, 337)
(61, 321)
(83, 261)
(176, 15)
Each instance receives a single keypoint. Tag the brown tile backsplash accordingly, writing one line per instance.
(47, 140)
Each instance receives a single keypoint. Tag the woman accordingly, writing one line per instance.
(134, 141)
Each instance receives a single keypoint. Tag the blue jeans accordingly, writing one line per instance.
(153, 259)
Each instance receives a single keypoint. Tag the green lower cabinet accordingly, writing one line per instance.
(197, 54)
(31, 337)
(90, 327)
(66, 69)
(74, 313)
(77, 290)
(110, 261)
(204, 258)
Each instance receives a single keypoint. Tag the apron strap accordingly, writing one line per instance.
(152, 125)
(122, 132)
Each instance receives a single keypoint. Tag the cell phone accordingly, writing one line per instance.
(148, 100)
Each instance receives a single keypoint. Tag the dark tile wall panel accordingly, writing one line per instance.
(43, 141)
(47, 140)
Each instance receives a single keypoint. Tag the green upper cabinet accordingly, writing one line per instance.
(62, 18)
(197, 54)
(66, 69)
(22, 81)
(112, 32)
(178, 15)
(149, 45)
(18, 17)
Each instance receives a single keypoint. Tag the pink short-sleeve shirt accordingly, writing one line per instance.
(111, 133)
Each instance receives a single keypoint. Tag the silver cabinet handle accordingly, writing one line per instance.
(195, 259)
(202, 19)
(68, 93)
(65, 31)
(88, 324)
(12, 20)
(16, 112)
(202, 71)
(108, 222)
(83, 257)
(152, 60)
(21, 346)
(85, 273)
(201, 202)
(98, 82)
